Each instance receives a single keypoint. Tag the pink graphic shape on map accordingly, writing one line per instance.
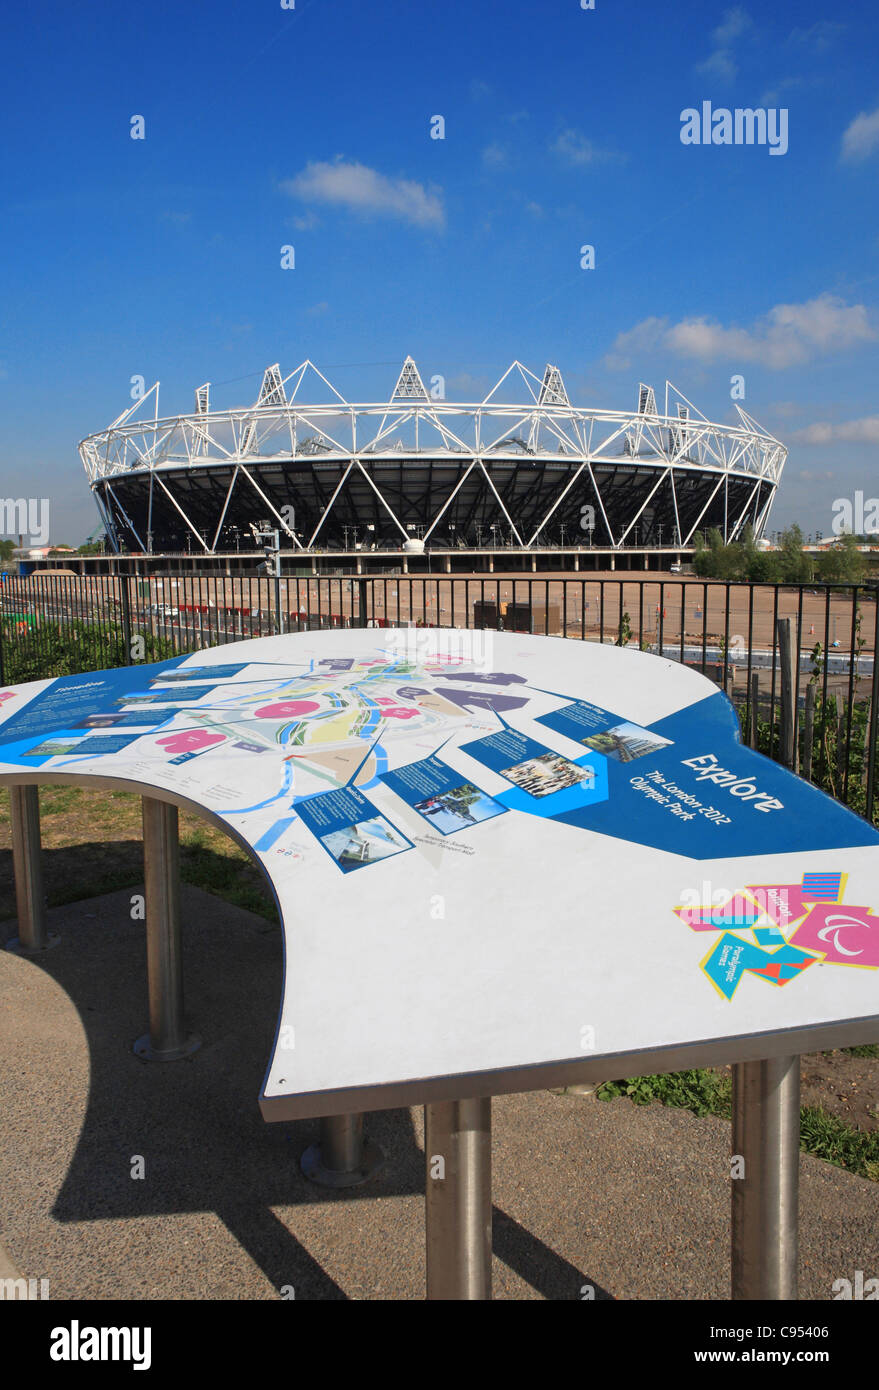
(845, 935)
(287, 709)
(189, 740)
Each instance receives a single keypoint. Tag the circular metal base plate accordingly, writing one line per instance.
(17, 949)
(143, 1048)
(372, 1159)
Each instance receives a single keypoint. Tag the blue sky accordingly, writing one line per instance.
(310, 127)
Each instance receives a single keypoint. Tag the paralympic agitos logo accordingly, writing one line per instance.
(787, 927)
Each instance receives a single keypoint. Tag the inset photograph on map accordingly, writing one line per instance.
(459, 807)
(547, 774)
(54, 747)
(364, 843)
(625, 742)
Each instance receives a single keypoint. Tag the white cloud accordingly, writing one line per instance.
(861, 138)
(775, 94)
(818, 36)
(317, 309)
(720, 64)
(721, 61)
(366, 192)
(735, 22)
(305, 223)
(494, 156)
(788, 335)
(864, 431)
(575, 148)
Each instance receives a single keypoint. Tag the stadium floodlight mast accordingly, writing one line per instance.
(523, 460)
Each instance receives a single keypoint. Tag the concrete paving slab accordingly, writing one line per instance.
(629, 1202)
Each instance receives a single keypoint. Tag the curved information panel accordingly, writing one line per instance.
(501, 861)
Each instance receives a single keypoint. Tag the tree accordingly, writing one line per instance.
(795, 566)
(843, 562)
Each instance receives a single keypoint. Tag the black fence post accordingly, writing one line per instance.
(125, 599)
(788, 710)
(361, 602)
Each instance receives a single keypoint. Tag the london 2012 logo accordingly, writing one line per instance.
(777, 930)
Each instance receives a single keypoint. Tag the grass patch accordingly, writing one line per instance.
(827, 1137)
(221, 874)
(701, 1091)
(706, 1092)
(113, 858)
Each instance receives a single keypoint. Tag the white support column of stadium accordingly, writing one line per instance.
(174, 503)
(726, 507)
(561, 497)
(329, 505)
(105, 517)
(272, 509)
(125, 514)
(734, 533)
(674, 496)
(764, 515)
(150, 514)
(225, 506)
(585, 448)
(501, 505)
(695, 525)
(451, 497)
(614, 435)
(755, 492)
(387, 508)
(659, 481)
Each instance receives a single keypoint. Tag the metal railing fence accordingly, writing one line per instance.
(58, 624)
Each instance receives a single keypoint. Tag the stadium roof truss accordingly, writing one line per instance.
(525, 420)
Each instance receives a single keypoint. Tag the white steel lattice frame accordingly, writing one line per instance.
(541, 427)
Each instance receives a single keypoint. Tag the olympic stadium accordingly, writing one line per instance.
(523, 472)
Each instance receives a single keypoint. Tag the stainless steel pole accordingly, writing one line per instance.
(342, 1157)
(27, 862)
(766, 1153)
(167, 1039)
(457, 1149)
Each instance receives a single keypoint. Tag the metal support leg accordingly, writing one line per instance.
(167, 1039)
(27, 860)
(457, 1148)
(341, 1157)
(766, 1137)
